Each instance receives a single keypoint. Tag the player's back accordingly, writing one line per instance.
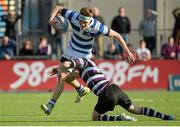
(91, 75)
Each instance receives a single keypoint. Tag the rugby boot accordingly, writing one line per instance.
(47, 108)
(125, 117)
(80, 97)
(170, 117)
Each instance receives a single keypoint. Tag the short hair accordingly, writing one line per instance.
(142, 41)
(42, 38)
(86, 11)
(27, 42)
(170, 37)
(119, 10)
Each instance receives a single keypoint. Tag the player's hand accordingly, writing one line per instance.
(53, 71)
(57, 10)
(131, 58)
(67, 64)
(75, 74)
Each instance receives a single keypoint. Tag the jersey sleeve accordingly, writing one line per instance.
(102, 29)
(68, 14)
(79, 62)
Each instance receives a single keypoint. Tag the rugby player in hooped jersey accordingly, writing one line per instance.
(109, 94)
(85, 28)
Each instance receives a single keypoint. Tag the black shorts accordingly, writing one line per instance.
(63, 59)
(111, 97)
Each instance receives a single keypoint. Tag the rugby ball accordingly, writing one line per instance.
(61, 23)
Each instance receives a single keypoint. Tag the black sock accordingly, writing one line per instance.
(153, 113)
(105, 117)
(80, 90)
(52, 102)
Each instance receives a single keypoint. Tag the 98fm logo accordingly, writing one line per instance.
(119, 73)
(34, 74)
(122, 72)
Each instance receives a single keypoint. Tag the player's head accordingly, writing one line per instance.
(85, 17)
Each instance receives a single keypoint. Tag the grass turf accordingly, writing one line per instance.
(24, 109)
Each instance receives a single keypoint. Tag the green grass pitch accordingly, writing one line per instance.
(24, 109)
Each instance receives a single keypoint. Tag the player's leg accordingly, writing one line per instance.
(81, 90)
(149, 112)
(47, 108)
(104, 117)
(106, 102)
(71, 80)
(125, 102)
(63, 76)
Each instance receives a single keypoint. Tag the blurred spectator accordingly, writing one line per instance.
(143, 53)
(122, 25)
(27, 49)
(176, 29)
(168, 50)
(7, 48)
(10, 21)
(147, 29)
(112, 53)
(131, 48)
(94, 52)
(57, 38)
(44, 48)
(178, 49)
(98, 41)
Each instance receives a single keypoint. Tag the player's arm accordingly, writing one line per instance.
(54, 12)
(121, 41)
(74, 63)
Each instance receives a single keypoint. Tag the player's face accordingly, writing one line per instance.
(84, 24)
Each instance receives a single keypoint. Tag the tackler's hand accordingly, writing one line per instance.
(75, 74)
(67, 64)
(53, 71)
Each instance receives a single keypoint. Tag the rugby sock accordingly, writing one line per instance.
(153, 113)
(80, 90)
(105, 117)
(52, 102)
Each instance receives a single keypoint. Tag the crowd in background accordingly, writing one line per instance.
(120, 23)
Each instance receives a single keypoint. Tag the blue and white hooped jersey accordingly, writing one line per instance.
(80, 44)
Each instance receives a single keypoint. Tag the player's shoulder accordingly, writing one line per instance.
(67, 10)
(96, 22)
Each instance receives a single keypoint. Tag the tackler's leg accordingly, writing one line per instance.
(149, 112)
(81, 90)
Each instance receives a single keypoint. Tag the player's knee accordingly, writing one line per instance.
(70, 80)
(63, 75)
(134, 109)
